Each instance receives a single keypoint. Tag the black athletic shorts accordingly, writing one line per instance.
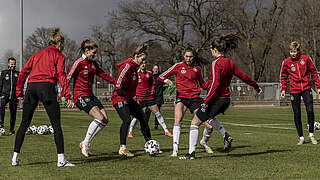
(215, 107)
(191, 103)
(86, 103)
(147, 103)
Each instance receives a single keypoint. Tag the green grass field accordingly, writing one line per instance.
(264, 147)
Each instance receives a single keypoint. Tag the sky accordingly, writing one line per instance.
(74, 17)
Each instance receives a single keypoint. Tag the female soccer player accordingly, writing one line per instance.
(145, 99)
(218, 97)
(122, 98)
(82, 71)
(188, 78)
(299, 68)
(44, 68)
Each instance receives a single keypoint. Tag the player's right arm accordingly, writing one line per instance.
(23, 76)
(283, 79)
(1, 81)
(122, 78)
(163, 77)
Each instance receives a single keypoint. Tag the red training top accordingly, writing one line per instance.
(47, 65)
(188, 78)
(222, 71)
(127, 81)
(299, 72)
(145, 86)
(82, 71)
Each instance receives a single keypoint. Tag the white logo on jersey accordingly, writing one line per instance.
(302, 62)
(86, 67)
(183, 71)
(195, 69)
(85, 72)
(15, 75)
(293, 69)
(7, 77)
(147, 75)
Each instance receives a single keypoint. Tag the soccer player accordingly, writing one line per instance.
(122, 98)
(299, 68)
(144, 91)
(44, 69)
(8, 81)
(82, 71)
(188, 78)
(218, 96)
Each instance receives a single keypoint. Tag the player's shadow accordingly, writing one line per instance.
(232, 148)
(259, 153)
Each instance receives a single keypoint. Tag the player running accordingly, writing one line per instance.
(122, 98)
(218, 98)
(144, 92)
(44, 69)
(83, 71)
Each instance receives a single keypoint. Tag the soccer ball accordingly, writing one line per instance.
(33, 129)
(2, 131)
(152, 147)
(316, 125)
(41, 130)
(50, 129)
(29, 131)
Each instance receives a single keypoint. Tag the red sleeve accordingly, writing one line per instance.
(153, 88)
(313, 72)
(103, 75)
(213, 83)
(245, 78)
(122, 76)
(23, 76)
(65, 92)
(283, 76)
(203, 84)
(169, 72)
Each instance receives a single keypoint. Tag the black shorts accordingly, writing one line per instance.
(215, 107)
(191, 103)
(86, 103)
(146, 103)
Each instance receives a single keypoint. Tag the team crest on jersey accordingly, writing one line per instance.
(139, 79)
(86, 67)
(302, 62)
(195, 69)
(7, 77)
(293, 69)
(183, 71)
(147, 75)
(85, 72)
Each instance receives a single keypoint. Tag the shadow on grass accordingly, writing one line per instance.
(253, 153)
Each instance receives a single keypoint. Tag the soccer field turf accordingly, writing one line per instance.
(264, 146)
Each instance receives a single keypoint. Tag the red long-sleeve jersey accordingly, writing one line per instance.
(145, 86)
(82, 71)
(222, 71)
(126, 81)
(299, 72)
(47, 65)
(188, 78)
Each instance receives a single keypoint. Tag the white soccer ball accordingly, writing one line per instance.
(316, 125)
(33, 129)
(2, 131)
(29, 131)
(51, 130)
(152, 147)
(41, 130)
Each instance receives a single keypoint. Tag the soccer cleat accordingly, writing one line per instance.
(15, 162)
(189, 156)
(160, 152)
(11, 132)
(130, 135)
(227, 142)
(313, 140)
(125, 153)
(300, 142)
(85, 149)
(174, 154)
(66, 163)
(168, 133)
(206, 147)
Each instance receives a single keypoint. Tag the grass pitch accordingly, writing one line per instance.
(264, 147)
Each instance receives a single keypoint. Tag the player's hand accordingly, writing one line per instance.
(283, 93)
(169, 82)
(21, 100)
(318, 91)
(70, 104)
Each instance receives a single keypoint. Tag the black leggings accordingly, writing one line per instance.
(296, 107)
(125, 109)
(4, 100)
(46, 93)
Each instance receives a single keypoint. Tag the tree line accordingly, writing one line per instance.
(266, 28)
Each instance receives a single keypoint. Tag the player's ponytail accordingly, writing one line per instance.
(87, 44)
(226, 42)
(55, 36)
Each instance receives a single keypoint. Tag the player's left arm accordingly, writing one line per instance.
(65, 92)
(202, 82)
(100, 72)
(245, 78)
(314, 73)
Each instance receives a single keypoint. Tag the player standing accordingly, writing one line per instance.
(44, 68)
(299, 68)
(83, 71)
(144, 91)
(122, 98)
(218, 97)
